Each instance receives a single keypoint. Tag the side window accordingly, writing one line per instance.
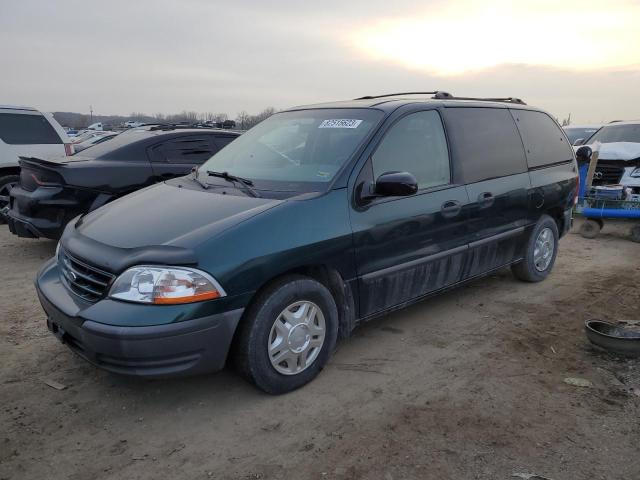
(27, 129)
(191, 149)
(485, 144)
(415, 144)
(543, 140)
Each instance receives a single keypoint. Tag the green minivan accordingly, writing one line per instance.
(317, 219)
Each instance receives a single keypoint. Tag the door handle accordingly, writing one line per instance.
(486, 199)
(451, 208)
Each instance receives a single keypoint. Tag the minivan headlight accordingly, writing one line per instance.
(636, 172)
(165, 285)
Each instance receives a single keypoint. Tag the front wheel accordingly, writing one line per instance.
(287, 335)
(541, 251)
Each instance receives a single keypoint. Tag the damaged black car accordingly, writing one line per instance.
(51, 192)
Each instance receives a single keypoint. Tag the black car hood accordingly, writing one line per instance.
(168, 215)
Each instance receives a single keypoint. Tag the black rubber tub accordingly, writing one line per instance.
(620, 338)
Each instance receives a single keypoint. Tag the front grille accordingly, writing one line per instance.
(608, 174)
(86, 281)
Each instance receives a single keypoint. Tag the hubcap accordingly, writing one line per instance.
(4, 193)
(296, 337)
(543, 250)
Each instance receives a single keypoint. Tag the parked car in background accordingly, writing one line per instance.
(25, 131)
(133, 124)
(71, 132)
(579, 134)
(95, 126)
(317, 219)
(93, 138)
(52, 192)
(619, 155)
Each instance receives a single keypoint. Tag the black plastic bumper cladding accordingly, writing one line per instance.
(181, 348)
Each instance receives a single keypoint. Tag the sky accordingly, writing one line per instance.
(165, 56)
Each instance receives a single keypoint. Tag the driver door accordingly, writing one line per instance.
(409, 246)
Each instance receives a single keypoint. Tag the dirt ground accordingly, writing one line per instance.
(467, 385)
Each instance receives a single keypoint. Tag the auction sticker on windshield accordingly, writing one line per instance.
(340, 123)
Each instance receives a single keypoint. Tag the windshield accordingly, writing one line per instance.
(296, 151)
(617, 133)
(574, 133)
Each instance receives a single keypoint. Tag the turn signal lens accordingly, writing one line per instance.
(165, 286)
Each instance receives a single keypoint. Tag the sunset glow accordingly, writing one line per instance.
(450, 40)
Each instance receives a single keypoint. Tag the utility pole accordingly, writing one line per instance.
(91, 113)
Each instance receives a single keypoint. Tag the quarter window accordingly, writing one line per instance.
(415, 144)
(543, 140)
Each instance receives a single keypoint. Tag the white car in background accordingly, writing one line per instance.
(579, 134)
(26, 132)
(618, 144)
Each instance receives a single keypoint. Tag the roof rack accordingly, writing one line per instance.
(436, 94)
(440, 95)
(175, 126)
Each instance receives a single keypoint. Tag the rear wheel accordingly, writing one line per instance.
(7, 182)
(590, 228)
(635, 233)
(287, 335)
(541, 251)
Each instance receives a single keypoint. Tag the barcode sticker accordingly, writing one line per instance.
(340, 123)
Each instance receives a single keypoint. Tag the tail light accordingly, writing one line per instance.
(68, 149)
(31, 179)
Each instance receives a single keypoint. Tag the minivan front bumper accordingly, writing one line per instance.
(185, 347)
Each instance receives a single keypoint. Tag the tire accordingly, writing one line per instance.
(258, 346)
(541, 252)
(590, 228)
(6, 182)
(635, 233)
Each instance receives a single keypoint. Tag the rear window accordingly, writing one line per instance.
(485, 144)
(119, 147)
(27, 129)
(544, 141)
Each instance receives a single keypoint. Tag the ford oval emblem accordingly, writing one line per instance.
(72, 275)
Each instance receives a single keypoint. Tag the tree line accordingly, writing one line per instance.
(243, 120)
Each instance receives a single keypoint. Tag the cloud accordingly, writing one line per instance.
(168, 56)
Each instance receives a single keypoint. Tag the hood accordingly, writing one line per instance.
(169, 215)
(625, 151)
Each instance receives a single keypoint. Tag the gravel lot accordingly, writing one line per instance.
(467, 385)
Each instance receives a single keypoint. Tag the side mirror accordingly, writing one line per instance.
(583, 154)
(396, 184)
(578, 142)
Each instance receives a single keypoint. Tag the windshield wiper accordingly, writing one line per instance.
(195, 172)
(245, 182)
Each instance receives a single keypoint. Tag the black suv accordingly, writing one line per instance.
(52, 192)
(317, 219)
